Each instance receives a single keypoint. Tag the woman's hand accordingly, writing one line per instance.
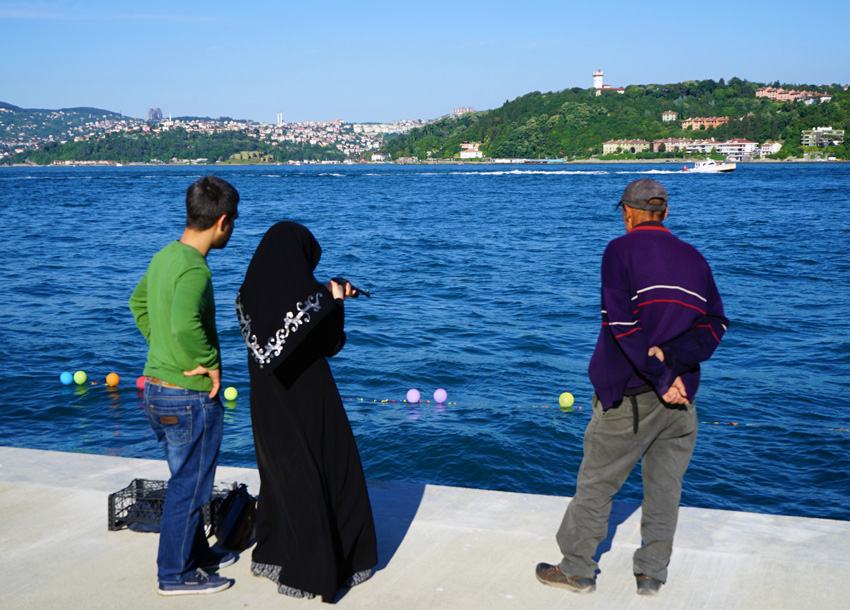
(339, 291)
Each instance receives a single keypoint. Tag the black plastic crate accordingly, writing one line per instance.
(139, 505)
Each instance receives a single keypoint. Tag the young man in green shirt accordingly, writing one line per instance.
(175, 311)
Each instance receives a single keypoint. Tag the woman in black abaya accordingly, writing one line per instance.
(315, 532)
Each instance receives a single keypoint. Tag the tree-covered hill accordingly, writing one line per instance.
(177, 143)
(575, 122)
(25, 124)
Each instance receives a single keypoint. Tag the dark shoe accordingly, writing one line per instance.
(647, 585)
(215, 560)
(197, 583)
(552, 575)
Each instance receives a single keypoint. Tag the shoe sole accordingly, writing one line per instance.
(568, 587)
(195, 591)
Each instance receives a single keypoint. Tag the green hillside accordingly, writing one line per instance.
(575, 122)
(25, 123)
(177, 143)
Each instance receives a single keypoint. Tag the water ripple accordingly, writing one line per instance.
(485, 282)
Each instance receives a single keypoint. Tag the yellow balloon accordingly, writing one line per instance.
(230, 393)
(80, 377)
(566, 400)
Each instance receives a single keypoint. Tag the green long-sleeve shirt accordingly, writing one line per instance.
(175, 311)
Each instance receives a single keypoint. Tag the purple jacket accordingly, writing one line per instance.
(656, 290)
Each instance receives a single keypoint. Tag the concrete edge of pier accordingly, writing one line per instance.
(440, 547)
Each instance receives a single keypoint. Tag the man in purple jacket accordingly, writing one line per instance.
(661, 317)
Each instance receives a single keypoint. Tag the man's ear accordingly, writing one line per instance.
(222, 221)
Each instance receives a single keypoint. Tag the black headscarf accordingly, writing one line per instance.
(280, 300)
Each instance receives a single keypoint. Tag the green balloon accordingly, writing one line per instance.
(80, 377)
(230, 393)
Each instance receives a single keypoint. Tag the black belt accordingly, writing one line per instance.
(631, 394)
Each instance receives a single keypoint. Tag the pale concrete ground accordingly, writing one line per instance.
(440, 547)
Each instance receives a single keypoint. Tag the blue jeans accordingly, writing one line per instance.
(189, 427)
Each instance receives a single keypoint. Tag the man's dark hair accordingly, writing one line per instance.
(207, 200)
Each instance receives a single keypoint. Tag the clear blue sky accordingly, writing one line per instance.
(383, 61)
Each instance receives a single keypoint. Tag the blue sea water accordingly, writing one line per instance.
(485, 282)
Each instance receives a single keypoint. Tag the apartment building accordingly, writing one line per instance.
(612, 147)
(704, 122)
(822, 136)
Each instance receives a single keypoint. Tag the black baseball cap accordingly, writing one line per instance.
(639, 193)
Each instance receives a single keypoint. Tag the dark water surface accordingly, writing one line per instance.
(485, 283)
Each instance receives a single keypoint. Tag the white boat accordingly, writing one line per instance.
(710, 166)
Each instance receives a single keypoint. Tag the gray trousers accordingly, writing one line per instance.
(664, 443)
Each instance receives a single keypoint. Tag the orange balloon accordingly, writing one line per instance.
(112, 379)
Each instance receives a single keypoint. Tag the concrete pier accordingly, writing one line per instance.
(440, 547)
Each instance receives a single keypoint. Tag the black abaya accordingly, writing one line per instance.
(314, 518)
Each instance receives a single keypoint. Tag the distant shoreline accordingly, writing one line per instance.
(434, 162)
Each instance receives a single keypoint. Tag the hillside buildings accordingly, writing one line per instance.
(352, 139)
(469, 150)
(704, 122)
(671, 145)
(612, 147)
(822, 136)
(791, 95)
(387, 128)
(738, 149)
(769, 148)
(668, 116)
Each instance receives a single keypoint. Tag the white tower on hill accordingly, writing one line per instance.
(597, 79)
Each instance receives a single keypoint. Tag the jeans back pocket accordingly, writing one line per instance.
(175, 420)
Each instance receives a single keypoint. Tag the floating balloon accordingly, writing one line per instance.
(230, 393)
(80, 377)
(112, 379)
(66, 378)
(441, 395)
(140, 382)
(413, 395)
(566, 400)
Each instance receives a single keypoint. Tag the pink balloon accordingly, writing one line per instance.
(140, 382)
(413, 395)
(440, 395)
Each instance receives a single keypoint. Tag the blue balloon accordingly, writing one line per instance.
(66, 378)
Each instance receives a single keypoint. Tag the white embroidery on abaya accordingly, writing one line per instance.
(291, 323)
